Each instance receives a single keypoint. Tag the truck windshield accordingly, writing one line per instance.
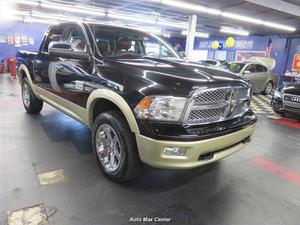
(118, 42)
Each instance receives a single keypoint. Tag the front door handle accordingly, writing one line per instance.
(59, 67)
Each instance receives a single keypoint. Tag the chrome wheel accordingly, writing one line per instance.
(269, 88)
(26, 95)
(108, 148)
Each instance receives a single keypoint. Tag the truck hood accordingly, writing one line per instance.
(169, 76)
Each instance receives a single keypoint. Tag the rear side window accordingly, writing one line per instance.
(260, 69)
(55, 34)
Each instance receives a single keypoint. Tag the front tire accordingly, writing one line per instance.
(31, 103)
(268, 88)
(115, 147)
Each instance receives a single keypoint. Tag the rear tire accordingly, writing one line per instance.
(115, 147)
(268, 88)
(31, 103)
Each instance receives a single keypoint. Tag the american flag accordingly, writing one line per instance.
(269, 48)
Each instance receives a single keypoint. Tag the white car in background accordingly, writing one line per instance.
(258, 70)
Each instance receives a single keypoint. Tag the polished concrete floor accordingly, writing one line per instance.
(259, 185)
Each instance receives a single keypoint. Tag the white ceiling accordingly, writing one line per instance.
(206, 23)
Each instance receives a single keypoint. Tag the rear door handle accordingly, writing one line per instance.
(59, 67)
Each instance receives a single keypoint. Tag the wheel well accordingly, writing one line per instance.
(103, 105)
(23, 74)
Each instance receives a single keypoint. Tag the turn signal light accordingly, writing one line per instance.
(145, 103)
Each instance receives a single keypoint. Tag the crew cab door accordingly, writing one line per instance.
(71, 78)
(43, 59)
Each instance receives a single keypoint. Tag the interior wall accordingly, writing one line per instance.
(294, 48)
(16, 36)
(245, 47)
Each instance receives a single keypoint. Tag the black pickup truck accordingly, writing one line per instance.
(142, 101)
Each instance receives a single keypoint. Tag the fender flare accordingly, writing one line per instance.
(115, 99)
(23, 68)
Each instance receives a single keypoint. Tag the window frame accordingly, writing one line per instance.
(80, 29)
(42, 47)
(166, 44)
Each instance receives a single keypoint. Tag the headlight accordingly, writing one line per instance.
(163, 108)
(278, 94)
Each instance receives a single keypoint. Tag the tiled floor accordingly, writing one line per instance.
(261, 104)
(259, 185)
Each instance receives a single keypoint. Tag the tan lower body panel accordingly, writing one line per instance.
(64, 105)
(151, 151)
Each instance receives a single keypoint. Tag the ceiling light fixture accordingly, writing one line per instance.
(36, 20)
(85, 10)
(171, 24)
(129, 18)
(101, 12)
(148, 20)
(149, 29)
(197, 34)
(27, 2)
(234, 31)
(7, 11)
(74, 9)
(200, 8)
(57, 17)
(193, 7)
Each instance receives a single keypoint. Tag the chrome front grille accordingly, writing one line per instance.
(218, 104)
(211, 96)
(205, 114)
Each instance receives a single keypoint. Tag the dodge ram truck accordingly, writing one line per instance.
(141, 100)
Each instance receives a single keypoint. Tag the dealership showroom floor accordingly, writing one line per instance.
(49, 173)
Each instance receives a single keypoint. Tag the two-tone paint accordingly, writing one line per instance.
(77, 86)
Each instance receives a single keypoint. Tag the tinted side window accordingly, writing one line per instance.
(250, 68)
(76, 38)
(260, 69)
(55, 34)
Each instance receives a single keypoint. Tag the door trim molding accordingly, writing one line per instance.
(71, 109)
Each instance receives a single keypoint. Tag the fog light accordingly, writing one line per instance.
(175, 151)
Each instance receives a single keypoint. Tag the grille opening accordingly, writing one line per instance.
(217, 104)
(206, 156)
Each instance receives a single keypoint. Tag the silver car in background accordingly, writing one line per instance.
(261, 77)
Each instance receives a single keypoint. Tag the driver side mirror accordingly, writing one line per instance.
(65, 50)
(247, 72)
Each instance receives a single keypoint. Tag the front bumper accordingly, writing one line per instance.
(151, 150)
(281, 106)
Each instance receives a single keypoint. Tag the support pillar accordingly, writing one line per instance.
(190, 38)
